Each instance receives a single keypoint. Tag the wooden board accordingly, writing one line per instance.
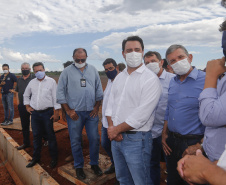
(17, 125)
(69, 173)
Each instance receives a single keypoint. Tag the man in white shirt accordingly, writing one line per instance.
(110, 67)
(154, 62)
(130, 113)
(40, 99)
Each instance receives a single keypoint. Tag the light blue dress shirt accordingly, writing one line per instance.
(213, 116)
(161, 107)
(69, 88)
(182, 111)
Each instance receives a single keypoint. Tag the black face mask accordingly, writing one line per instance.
(25, 72)
(111, 74)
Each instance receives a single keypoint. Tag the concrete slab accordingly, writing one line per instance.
(69, 173)
(17, 160)
(17, 125)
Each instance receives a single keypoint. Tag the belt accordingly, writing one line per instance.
(40, 111)
(188, 136)
(130, 132)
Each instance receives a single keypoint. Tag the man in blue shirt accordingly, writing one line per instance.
(6, 83)
(80, 93)
(182, 127)
(154, 62)
(212, 105)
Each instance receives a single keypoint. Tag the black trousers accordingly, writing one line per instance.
(25, 123)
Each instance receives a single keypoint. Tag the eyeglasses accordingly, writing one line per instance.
(78, 60)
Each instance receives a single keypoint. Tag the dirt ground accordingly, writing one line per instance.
(64, 148)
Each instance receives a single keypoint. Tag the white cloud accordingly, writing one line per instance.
(96, 55)
(74, 16)
(193, 52)
(12, 56)
(197, 33)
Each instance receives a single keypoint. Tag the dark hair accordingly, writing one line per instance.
(109, 61)
(165, 64)
(174, 47)
(121, 67)
(132, 38)
(5, 65)
(77, 49)
(37, 64)
(67, 63)
(223, 26)
(151, 53)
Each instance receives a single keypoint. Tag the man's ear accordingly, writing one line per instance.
(190, 57)
(170, 69)
(161, 62)
(123, 54)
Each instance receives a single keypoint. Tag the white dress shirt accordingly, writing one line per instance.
(133, 99)
(41, 95)
(105, 101)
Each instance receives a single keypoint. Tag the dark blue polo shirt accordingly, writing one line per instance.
(9, 82)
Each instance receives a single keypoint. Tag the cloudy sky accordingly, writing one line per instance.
(49, 31)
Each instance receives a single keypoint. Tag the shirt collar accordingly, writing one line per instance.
(193, 74)
(138, 70)
(163, 75)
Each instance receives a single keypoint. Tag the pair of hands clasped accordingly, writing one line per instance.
(55, 116)
(74, 116)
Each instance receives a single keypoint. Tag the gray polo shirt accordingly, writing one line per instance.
(21, 86)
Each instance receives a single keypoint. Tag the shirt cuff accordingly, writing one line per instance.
(61, 101)
(133, 123)
(208, 93)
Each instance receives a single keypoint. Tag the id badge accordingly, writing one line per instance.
(83, 82)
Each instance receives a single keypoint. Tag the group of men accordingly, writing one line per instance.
(145, 109)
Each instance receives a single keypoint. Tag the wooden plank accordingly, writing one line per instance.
(69, 173)
(17, 125)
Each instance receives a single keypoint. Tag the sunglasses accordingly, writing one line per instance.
(78, 60)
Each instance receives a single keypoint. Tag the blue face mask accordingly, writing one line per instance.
(111, 74)
(224, 43)
(40, 75)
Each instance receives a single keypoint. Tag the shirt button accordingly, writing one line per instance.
(173, 118)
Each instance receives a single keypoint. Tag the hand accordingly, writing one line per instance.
(191, 150)
(29, 109)
(118, 138)
(72, 114)
(2, 83)
(12, 91)
(191, 168)
(167, 150)
(112, 132)
(94, 112)
(55, 117)
(216, 67)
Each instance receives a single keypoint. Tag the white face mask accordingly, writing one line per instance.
(5, 71)
(80, 65)
(154, 66)
(181, 67)
(133, 59)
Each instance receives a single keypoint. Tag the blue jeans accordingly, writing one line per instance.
(132, 157)
(40, 123)
(25, 123)
(155, 160)
(106, 143)
(75, 133)
(7, 101)
(178, 146)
